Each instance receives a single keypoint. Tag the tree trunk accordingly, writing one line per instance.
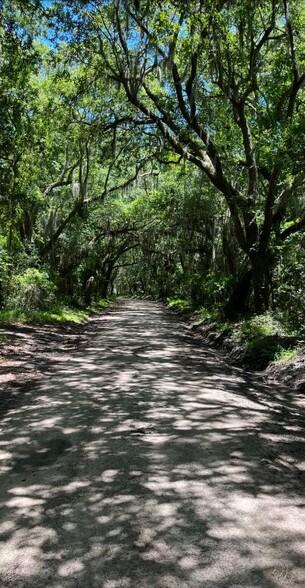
(104, 288)
(261, 281)
(88, 290)
(106, 280)
(257, 278)
(239, 299)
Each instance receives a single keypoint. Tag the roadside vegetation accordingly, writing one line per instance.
(155, 150)
(265, 338)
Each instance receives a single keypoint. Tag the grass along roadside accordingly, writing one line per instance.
(31, 343)
(257, 340)
(57, 314)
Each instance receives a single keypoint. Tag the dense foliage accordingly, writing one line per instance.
(153, 148)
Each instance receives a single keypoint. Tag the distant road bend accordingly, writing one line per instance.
(144, 461)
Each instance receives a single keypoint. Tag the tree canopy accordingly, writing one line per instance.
(155, 148)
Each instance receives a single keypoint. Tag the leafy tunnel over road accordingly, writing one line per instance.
(146, 461)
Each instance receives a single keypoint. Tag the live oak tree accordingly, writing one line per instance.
(18, 60)
(154, 147)
(181, 253)
(61, 157)
(223, 83)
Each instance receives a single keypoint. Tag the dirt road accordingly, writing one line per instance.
(144, 461)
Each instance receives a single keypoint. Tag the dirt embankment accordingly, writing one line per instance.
(289, 373)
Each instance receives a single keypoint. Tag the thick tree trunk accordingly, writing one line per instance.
(88, 290)
(261, 281)
(104, 289)
(257, 278)
(238, 302)
(106, 280)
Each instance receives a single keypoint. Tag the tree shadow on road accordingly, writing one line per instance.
(145, 461)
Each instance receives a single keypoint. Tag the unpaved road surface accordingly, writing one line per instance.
(145, 461)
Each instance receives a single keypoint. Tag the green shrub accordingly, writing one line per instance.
(181, 305)
(31, 290)
(209, 288)
(265, 335)
(255, 329)
(102, 303)
(5, 267)
(289, 294)
(53, 315)
(286, 354)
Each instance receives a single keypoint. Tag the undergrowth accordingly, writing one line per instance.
(57, 314)
(181, 306)
(287, 354)
(265, 335)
